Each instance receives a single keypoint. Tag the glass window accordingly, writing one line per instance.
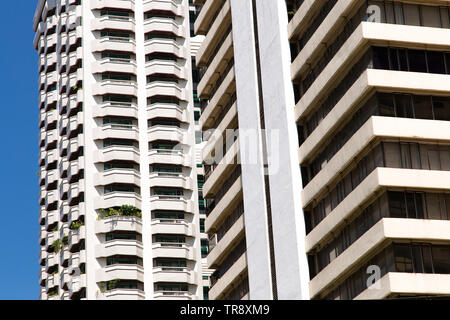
(430, 16)
(380, 58)
(436, 62)
(412, 14)
(441, 108)
(423, 107)
(441, 259)
(392, 155)
(417, 61)
(403, 259)
(403, 106)
(386, 104)
(397, 205)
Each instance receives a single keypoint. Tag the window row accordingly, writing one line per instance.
(391, 204)
(386, 154)
(397, 257)
(381, 104)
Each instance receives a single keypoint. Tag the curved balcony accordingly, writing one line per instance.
(118, 131)
(119, 65)
(174, 274)
(172, 250)
(166, 46)
(124, 294)
(52, 218)
(50, 118)
(168, 133)
(62, 104)
(74, 102)
(116, 4)
(168, 5)
(42, 118)
(167, 89)
(63, 189)
(76, 283)
(125, 153)
(50, 59)
(167, 110)
(64, 211)
(76, 259)
(52, 261)
(51, 156)
(117, 199)
(122, 223)
(73, 80)
(75, 167)
(51, 177)
(50, 139)
(51, 198)
(73, 123)
(42, 256)
(166, 67)
(75, 189)
(62, 126)
(173, 226)
(114, 44)
(42, 216)
(72, 37)
(74, 145)
(119, 247)
(42, 235)
(170, 179)
(115, 109)
(63, 166)
(166, 25)
(42, 276)
(123, 87)
(53, 280)
(65, 278)
(75, 212)
(172, 203)
(113, 22)
(63, 145)
(118, 175)
(75, 236)
(173, 295)
(120, 271)
(176, 157)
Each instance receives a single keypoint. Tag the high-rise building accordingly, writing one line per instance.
(255, 219)
(293, 149)
(372, 81)
(361, 188)
(119, 207)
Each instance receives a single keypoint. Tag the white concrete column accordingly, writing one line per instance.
(255, 209)
(288, 225)
(89, 124)
(144, 165)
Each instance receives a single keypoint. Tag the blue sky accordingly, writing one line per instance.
(19, 154)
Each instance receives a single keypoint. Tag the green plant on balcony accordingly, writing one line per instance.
(102, 286)
(54, 228)
(108, 285)
(111, 285)
(75, 225)
(56, 245)
(124, 210)
(65, 240)
(53, 292)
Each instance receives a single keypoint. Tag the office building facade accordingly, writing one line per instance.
(361, 188)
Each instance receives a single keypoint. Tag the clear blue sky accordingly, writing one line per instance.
(19, 154)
